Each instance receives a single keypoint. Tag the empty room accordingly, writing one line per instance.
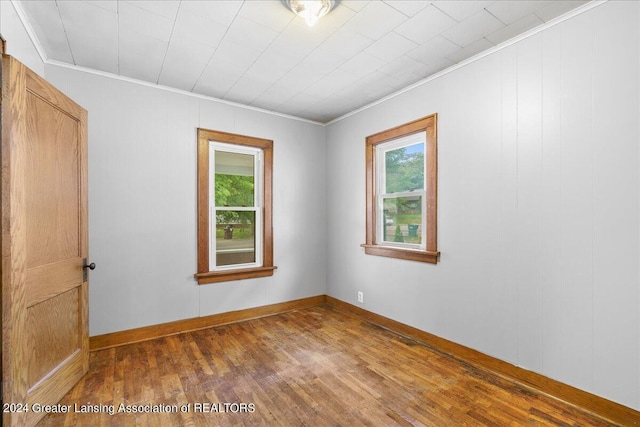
(310, 213)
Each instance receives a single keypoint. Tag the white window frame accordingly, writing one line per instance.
(381, 194)
(257, 208)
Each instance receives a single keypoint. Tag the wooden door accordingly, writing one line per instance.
(45, 339)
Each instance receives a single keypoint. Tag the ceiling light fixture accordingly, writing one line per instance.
(310, 10)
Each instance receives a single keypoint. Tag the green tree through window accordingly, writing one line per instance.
(405, 169)
(234, 190)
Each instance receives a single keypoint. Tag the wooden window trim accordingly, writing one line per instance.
(430, 254)
(266, 269)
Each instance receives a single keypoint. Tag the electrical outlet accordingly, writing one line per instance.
(360, 296)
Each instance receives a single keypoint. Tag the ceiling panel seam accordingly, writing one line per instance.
(41, 52)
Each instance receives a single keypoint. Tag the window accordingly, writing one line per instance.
(234, 207)
(401, 185)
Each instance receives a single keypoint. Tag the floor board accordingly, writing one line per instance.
(311, 367)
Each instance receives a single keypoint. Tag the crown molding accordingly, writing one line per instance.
(41, 52)
(38, 46)
(577, 11)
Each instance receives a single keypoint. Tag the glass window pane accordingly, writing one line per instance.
(235, 237)
(402, 218)
(404, 168)
(234, 177)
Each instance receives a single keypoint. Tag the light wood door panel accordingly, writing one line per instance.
(51, 184)
(44, 242)
(51, 329)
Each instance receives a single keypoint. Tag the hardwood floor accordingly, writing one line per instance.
(311, 367)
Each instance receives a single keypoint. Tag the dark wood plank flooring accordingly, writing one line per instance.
(311, 367)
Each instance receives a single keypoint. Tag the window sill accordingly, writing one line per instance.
(228, 275)
(402, 253)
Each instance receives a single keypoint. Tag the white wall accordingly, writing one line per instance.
(538, 206)
(142, 197)
(142, 203)
(19, 44)
(538, 203)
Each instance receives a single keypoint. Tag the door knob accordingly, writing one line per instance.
(91, 266)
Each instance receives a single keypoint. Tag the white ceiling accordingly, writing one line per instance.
(258, 53)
